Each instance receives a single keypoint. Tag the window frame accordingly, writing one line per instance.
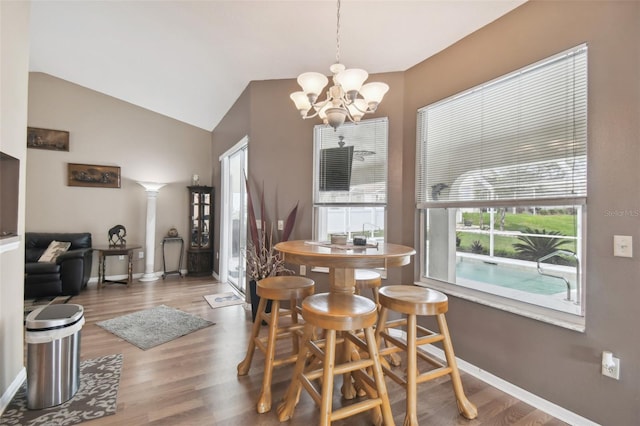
(564, 319)
(317, 206)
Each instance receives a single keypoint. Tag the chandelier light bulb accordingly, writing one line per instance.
(302, 102)
(373, 93)
(312, 84)
(351, 79)
(357, 109)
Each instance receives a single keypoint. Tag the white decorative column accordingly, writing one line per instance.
(152, 189)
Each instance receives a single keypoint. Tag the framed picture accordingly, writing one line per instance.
(54, 140)
(92, 175)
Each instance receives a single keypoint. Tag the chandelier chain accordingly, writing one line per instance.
(338, 34)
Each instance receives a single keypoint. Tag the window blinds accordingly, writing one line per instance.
(356, 172)
(518, 139)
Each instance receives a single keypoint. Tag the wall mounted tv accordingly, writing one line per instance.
(335, 168)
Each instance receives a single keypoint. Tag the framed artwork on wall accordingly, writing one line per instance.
(54, 140)
(90, 175)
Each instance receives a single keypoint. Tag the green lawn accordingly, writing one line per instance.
(565, 224)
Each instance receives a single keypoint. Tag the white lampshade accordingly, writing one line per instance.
(374, 92)
(351, 79)
(312, 83)
(151, 186)
(357, 109)
(302, 102)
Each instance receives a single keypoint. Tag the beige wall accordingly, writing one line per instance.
(554, 363)
(105, 131)
(14, 63)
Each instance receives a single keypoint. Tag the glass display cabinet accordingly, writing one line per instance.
(200, 239)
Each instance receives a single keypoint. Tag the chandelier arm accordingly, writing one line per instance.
(366, 110)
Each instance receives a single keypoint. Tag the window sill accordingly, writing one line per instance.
(560, 319)
(9, 243)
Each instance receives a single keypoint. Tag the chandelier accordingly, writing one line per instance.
(347, 98)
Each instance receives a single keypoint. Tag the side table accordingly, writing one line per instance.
(104, 251)
(178, 271)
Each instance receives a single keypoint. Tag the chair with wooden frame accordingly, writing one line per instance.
(413, 301)
(275, 289)
(372, 280)
(342, 317)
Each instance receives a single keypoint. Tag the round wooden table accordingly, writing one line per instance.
(343, 260)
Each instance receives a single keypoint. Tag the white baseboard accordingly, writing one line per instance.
(508, 388)
(13, 388)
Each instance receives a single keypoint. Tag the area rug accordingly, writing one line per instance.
(219, 300)
(96, 397)
(154, 326)
(31, 305)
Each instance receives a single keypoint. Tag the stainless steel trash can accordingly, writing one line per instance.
(53, 351)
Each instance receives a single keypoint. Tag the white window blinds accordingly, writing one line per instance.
(514, 140)
(350, 166)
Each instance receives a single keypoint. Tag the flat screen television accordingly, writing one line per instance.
(335, 168)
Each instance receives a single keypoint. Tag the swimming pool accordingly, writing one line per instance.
(527, 280)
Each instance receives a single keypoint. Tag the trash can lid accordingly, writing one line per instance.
(53, 317)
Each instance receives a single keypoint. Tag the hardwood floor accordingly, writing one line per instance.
(192, 380)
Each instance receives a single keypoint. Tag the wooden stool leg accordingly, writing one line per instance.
(348, 389)
(381, 387)
(327, 378)
(245, 364)
(286, 408)
(466, 407)
(264, 401)
(411, 418)
(294, 320)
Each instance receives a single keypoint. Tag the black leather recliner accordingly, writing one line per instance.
(70, 272)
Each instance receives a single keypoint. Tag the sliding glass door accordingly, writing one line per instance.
(234, 216)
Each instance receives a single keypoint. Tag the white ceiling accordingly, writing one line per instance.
(190, 60)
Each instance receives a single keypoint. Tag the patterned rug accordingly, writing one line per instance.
(154, 326)
(96, 397)
(219, 300)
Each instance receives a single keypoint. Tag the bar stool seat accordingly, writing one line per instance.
(413, 301)
(347, 314)
(275, 289)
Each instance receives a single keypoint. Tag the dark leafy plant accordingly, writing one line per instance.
(262, 259)
(533, 248)
(476, 247)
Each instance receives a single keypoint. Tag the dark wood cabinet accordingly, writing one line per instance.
(200, 239)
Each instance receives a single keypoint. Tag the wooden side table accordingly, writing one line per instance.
(104, 251)
(178, 271)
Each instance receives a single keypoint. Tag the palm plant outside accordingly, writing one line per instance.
(534, 247)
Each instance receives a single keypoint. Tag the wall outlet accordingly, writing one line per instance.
(140, 255)
(120, 257)
(303, 270)
(610, 365)
(280, 225)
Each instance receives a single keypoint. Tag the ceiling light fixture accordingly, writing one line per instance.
(347, 98)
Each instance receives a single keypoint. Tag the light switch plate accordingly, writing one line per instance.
(622, 246)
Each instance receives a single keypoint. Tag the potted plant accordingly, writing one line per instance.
(262, 259)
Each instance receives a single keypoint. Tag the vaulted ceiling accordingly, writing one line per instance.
(190, 60)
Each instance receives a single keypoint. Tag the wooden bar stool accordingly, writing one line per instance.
(412, 301)
(276, 290)
(372, 280)
(348, 314)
